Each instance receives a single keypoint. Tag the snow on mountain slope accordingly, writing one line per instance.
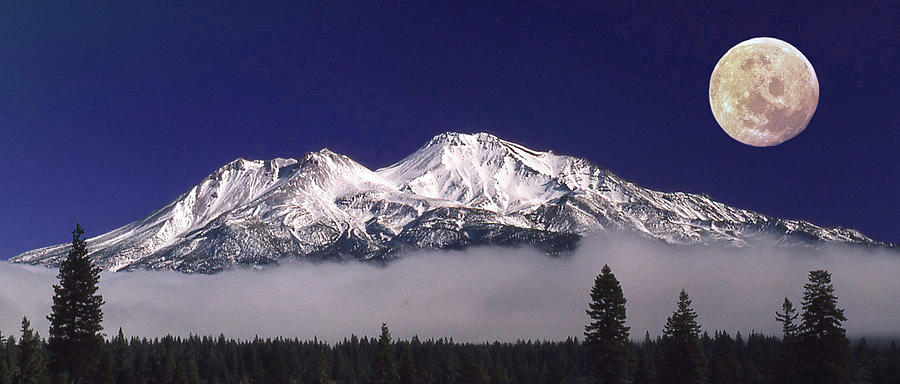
(232, 185)
(456, 191)
(479, 171)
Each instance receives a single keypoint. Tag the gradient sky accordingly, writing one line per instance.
(108, 112)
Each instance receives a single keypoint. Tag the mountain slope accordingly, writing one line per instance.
(456, 191)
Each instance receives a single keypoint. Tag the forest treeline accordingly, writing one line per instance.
(812, 349)
(732, 359)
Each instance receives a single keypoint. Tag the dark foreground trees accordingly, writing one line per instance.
(786, 367)
(30, 360)
(823, 351)
(606, 336)
(724, 367)
(75, 344)
(384, 371)
(5, 374)
(682, 360)
(439, 361)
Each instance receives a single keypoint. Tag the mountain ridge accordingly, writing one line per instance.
(457, 190)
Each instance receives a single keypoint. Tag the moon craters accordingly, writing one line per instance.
(763, 92)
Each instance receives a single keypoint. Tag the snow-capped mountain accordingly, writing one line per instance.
(456, 191)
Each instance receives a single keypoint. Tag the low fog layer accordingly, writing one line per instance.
(477, 295)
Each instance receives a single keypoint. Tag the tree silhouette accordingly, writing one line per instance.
(75, 343)
(322, 370)
(682, 359)
(5, 374)
(30, 359)
(824, 351)
(384, 371)
(723, 362)
(785, 368)
(606, 336)
(408, 367)
(786, 317)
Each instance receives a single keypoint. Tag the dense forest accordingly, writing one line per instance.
(738, 359)
(812, 349)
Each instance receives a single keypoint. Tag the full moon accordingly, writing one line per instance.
(763, 92)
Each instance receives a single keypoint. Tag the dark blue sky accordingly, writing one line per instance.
(108, 112)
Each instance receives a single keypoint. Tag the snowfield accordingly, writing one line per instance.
(457, 191)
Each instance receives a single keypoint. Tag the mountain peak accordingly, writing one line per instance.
(484, 146)
(458, 190)
(326, 159)
(479, 170)
(323, 153)
(457, 139)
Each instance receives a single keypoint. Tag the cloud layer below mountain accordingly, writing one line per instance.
(479, 294)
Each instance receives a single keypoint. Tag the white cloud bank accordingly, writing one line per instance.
(482, 294)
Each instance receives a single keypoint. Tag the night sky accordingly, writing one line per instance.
(108, 112)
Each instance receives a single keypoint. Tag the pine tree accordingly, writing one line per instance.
(553, 373)
(123, 359)
(408, 367)
(648, 353)
(824, 351)
(11, 353)
(275, 364)
(786, 365)
(723, 363)
(322, 370)
(104, 373)
(888, 370)
(606, 336)
(786, 317)
(186, 370)
(682, 360)
(30, 359)
(862, 360)
(384, 371)
(343, 370)
(75, 343)
(5, 374)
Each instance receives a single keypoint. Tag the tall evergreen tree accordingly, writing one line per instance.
(75, 343)
(30, 357)
(786, 317)
(824, 351)
(384, 371)
(606, 336)
(786, 366)
(682, 360)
